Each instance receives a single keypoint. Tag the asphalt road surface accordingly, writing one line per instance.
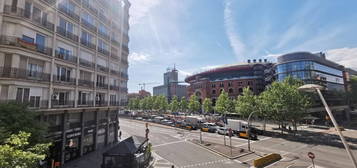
(170, 145)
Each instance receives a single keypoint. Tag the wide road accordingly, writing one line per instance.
(171, 145)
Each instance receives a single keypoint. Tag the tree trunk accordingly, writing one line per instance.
(265, 123)
(282, 128)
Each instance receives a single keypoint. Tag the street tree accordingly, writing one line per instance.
(207, 105)
(287, 103)
(175, 104)
(16, 117)
(246, 103)
(222, 104)
(16, 152)
(194, 105)
(183, 104)
(163, 103)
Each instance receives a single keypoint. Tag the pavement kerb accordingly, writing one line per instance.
(222, 154)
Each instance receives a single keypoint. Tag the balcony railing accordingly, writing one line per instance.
(102, 86)
(90, 7)
(64, 80)
(124, 75)
(113, 87)
(124, 61)
(42, 104)
(63, 32)
(67, 57)
(87, 103)
(114, 103)
(25, 14)
(114, 56)
(103, 18)
(68, 12)
(125, 48)
(17, 73)
(62, 103)
(123, 90)
(114, 72)
(103, 51)
(102, 68)
(103, 35)
(89, 123)
(88, 44)
(88, 25)
(115, 42)
(18, 42)
(86, 63)
(51, 2)
(88, 83)
(101, 103)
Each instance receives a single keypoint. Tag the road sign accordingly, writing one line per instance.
(311, 155)
(147, 133)
(146, 125)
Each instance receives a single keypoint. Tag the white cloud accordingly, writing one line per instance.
(234, 39)
(344, 56)
(140, 8)
(139, 57)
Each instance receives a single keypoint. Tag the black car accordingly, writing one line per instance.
(256, 131)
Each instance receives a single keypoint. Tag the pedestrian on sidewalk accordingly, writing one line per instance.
(120, 135)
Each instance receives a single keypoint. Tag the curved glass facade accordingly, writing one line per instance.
(311, 72)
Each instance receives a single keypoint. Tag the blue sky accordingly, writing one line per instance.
(200, 34)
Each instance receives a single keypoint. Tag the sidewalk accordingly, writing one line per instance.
(90, 160)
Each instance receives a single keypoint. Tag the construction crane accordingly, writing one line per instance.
(143, 85)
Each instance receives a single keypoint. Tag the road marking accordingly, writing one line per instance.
(169, 143)
(205, 163)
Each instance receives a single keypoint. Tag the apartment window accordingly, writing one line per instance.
(34, 70)
(100, 98)
(250, 83)
(34, 101)
(88, 18)
(102, 45)
(100, 80)
(65, 25)
(240, 83)
(22, 95)
(68, 5)
(113, 99)
(40, 42)
(63, 74)
(213, 85)
(240, 90)
(14, 6)
(28, 6)
(229, 84)
(28, 39)
(61, 97)
(103, 29)
(230, 90)
(64, 53)
(213, 92)
(36, 14)
(83, 98)
(221, 85)
(86, 36)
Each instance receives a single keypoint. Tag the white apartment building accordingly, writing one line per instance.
(68, 59)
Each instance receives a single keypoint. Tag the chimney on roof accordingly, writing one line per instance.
(254, 60)
(260, 60)
(249, 61)
(265, 60)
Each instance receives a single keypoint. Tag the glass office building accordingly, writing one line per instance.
(311, 68)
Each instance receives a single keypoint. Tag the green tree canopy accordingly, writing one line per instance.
(246, 103)
(175, 104)
(223, 104)
(17, 152)
(207, 105)
(183, 104)
(16, 117)
(194, 105)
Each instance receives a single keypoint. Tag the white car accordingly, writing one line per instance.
(222, 131)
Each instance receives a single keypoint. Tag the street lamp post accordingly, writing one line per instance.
(248, 131)
(318, 88)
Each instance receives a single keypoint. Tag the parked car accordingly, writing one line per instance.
(222, 131)
(256, 131)
(139, 118)
(245, 135)
(213, 129)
